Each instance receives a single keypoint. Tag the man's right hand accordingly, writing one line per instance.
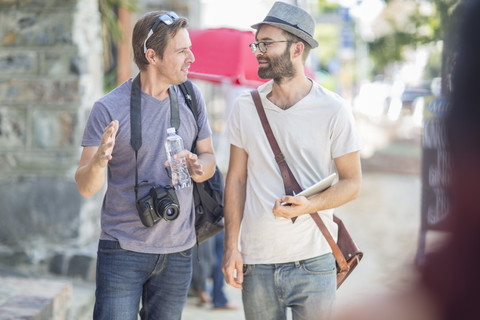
(232, 268)
(90, 174)
(105, 149)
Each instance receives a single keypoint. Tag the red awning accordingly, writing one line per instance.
(222, 54)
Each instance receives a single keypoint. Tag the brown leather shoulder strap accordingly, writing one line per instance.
(342, 263)
(290, 182)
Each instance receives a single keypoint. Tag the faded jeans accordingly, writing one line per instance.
(124, 277)
(307, 287)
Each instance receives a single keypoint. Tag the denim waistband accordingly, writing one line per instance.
(296, 263)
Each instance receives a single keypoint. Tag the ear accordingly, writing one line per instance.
(298, 48)
(151, 56)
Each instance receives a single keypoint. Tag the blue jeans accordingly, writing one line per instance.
(219, 298)
(307, 287)
(123, 277)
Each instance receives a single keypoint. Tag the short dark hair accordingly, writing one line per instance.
(159, 39)
(294, 38)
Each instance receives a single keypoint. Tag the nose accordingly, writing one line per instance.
(258, 52)
(190, 56)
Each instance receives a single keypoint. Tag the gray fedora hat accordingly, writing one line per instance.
(291, 19)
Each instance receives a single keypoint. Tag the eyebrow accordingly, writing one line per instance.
(185, 47)
(263, 39)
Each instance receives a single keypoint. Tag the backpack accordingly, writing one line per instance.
(207, 195)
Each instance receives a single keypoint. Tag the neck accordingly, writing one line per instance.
(288, 92)
(153, 85)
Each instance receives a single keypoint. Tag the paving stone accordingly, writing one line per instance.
(36, 299)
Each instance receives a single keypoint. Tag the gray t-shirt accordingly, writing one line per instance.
(120, 220)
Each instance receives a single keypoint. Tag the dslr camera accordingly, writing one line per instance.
(160, 202)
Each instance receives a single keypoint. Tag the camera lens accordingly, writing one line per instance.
(170, 212)
(168, 209)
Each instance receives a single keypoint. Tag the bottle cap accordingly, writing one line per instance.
(171, 130)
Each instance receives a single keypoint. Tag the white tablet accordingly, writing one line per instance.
(318, 187)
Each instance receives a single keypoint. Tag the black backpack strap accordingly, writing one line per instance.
(175, 116)
(190, 99)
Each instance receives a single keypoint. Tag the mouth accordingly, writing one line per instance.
(262, 63)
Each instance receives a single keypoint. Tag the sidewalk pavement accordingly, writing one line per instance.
(42, 299)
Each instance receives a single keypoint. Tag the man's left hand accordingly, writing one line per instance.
(195, 168)
(289, 207)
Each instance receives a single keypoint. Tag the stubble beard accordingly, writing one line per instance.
(279, 68)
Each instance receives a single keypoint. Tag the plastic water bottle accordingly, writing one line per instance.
(173, 145)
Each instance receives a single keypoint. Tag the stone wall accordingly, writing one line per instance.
(50, 74)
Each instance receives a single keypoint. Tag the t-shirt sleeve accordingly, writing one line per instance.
(97, 121)
(345, 137)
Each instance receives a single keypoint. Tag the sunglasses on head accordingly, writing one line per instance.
(167, 18)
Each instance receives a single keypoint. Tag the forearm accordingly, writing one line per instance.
(342, 192)
(207, 162)
(347, 188)
(235, 193)
(90, 179)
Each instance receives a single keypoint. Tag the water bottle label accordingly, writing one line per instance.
(180, 176)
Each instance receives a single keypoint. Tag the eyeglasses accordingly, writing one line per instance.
(262, 46)
(167, 18)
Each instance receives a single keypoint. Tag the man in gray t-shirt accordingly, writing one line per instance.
(135, 262)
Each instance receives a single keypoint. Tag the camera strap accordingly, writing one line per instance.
(136, 120)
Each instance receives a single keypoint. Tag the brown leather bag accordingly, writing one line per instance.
(350, 251)
(345, 250)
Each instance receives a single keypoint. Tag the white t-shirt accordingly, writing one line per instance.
(311, 133)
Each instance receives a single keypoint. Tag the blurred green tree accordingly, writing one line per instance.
(111, 35)
(417, 22)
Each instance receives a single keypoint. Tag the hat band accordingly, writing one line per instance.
(276, 20)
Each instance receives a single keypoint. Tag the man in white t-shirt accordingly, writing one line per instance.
(278, 263)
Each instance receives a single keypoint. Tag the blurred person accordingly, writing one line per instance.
(203, 264)
(450, 275)
(135, 263)
(448, 281)
(280, 264)
(207, 264)
(219, 298)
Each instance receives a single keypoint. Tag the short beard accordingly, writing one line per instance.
(280, 68)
